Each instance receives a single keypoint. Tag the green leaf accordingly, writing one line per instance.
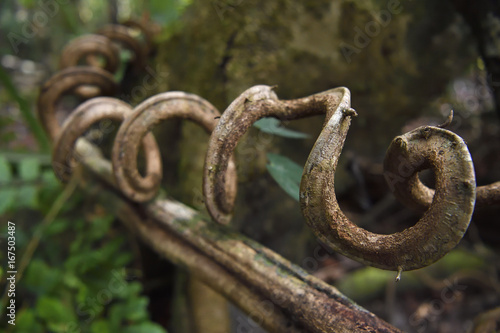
(100, 326)
(49, 178)
(29, 169)
(50, 190)
(85, 260)
(53, 311)
(72, 281)
(460, 259)
(122, 259)
(27, 196)
(131, 291)
(166, 12)
(286, 173)
(41, 278)
(82, 262)
(366, 283)
(133, 310)
(146, 327)
(125, 56)
(26, 322)
(273, 126)
(7, 194)
(25, 108)
(110, 249)
(5, 170)
(58, 226)
(7, 198)
(27, 3)
(100, 226)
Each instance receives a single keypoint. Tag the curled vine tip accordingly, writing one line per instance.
(88, 48)
(255, 103)
(350, 112)
(398, 276)
(67, 82)
(448, 121)
(403, 180)
(437, 232)
(138, 124)
(80, 120)
(122, 34)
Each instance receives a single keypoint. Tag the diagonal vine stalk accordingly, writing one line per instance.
(210, 250)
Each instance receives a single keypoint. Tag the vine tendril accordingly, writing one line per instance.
(144, 117)
(255, 103)
(122, 35)
(65, 82)
(81, 119)
(437, 232)
(87, 47)
(448, 209)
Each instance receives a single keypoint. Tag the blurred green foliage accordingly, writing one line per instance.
(80, 277)
(456, 263)
(77, 279)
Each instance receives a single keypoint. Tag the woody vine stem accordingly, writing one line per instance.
(448, 208)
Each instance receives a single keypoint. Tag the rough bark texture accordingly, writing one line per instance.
(277, 294)
(394, 72)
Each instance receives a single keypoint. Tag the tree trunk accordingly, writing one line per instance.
(396, 57)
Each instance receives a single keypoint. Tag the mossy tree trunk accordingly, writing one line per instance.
(396, 57)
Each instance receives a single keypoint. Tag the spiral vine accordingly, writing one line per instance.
(448, 208)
